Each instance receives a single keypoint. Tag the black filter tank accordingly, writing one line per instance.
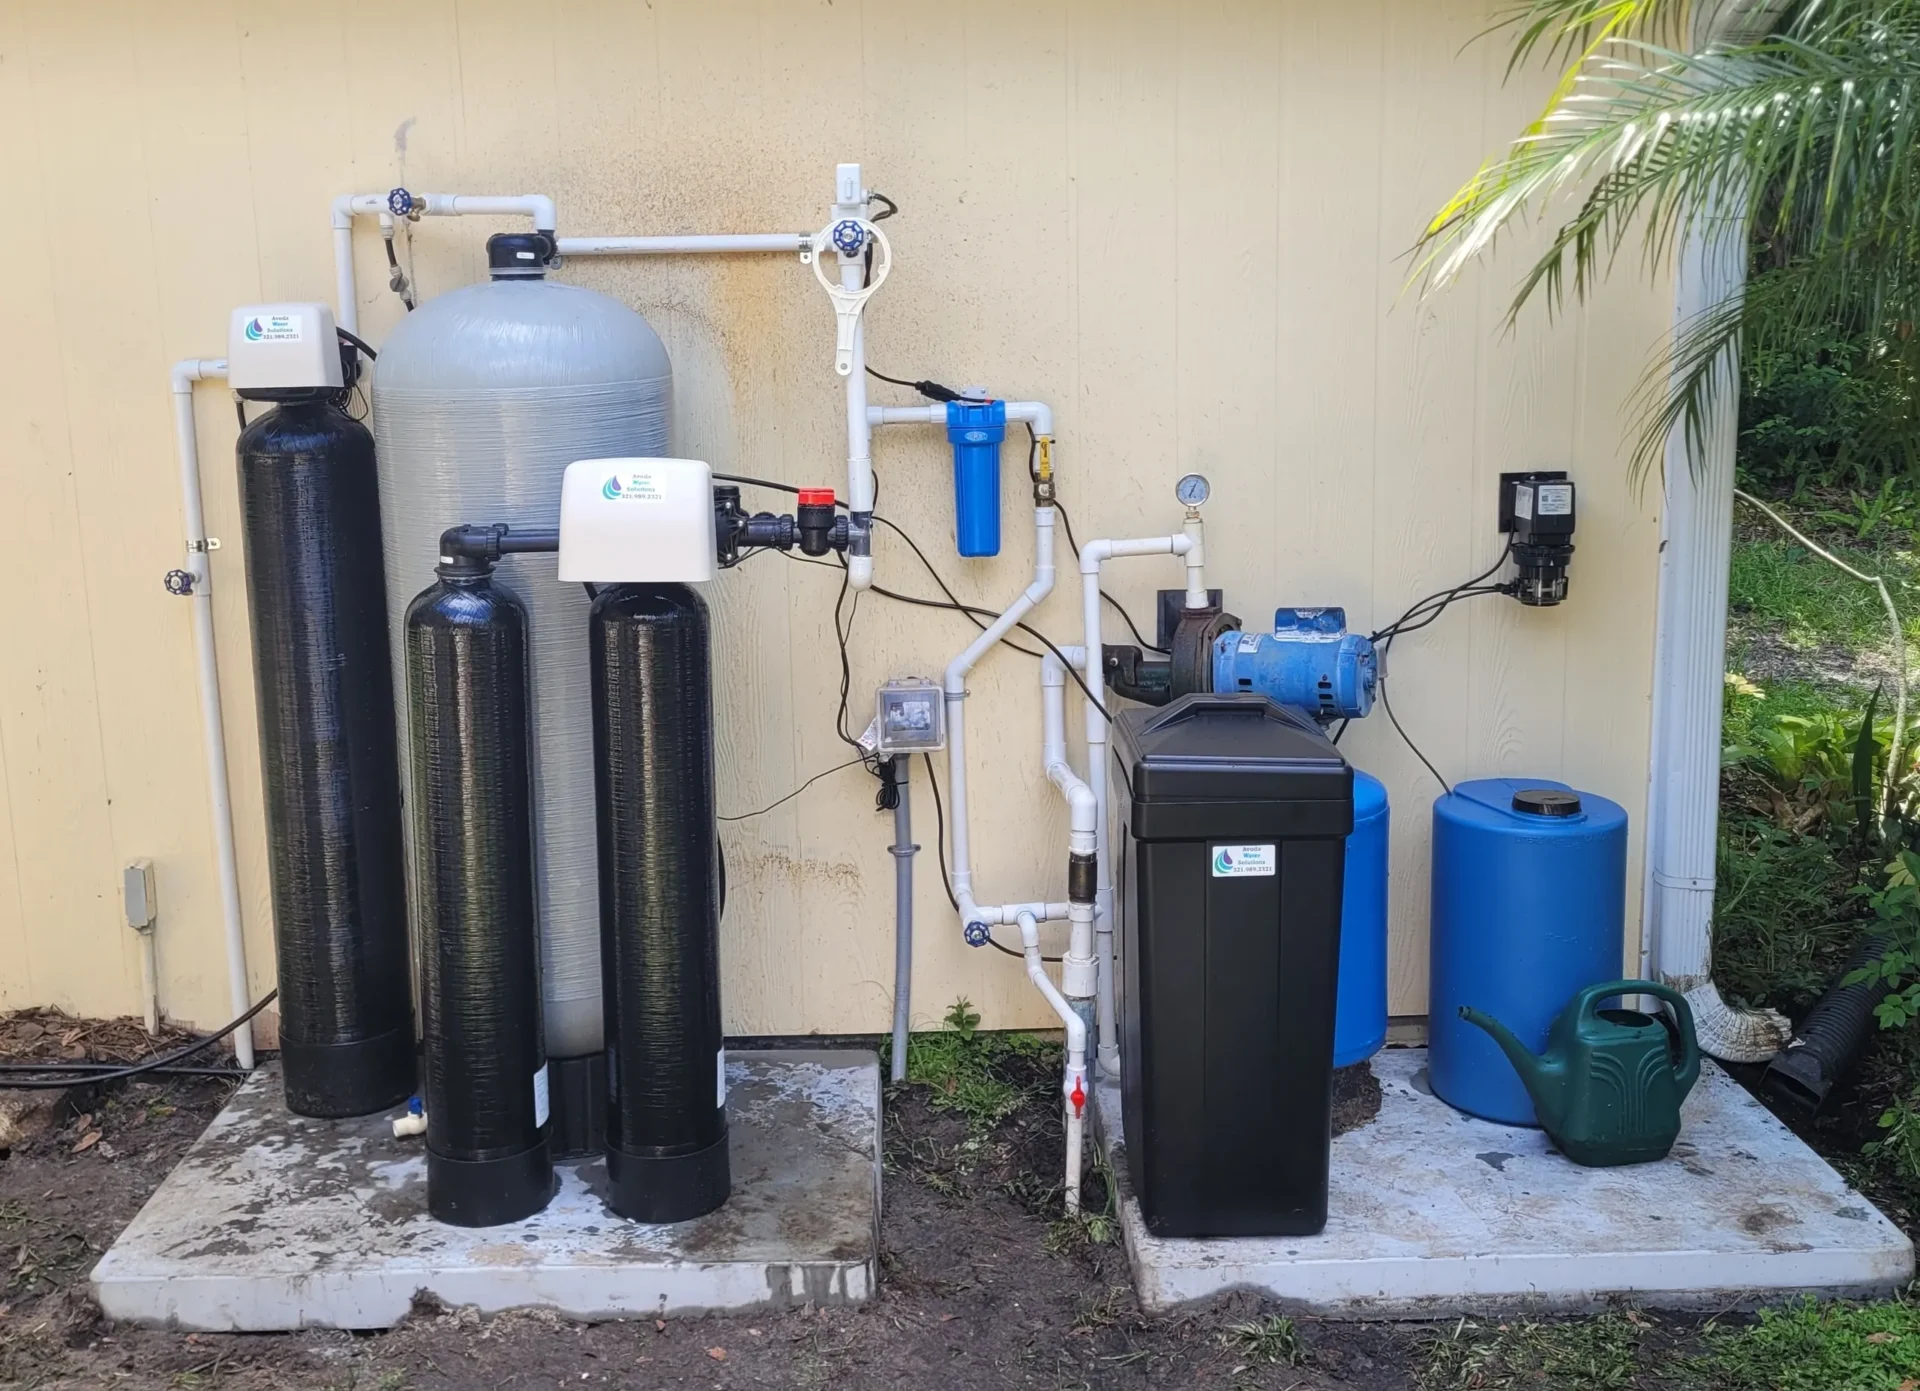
(659, 903)
(310, 509)
(484, 1052)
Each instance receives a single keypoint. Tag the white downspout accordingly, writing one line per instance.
(1689, 681)
(1093, 555)
(212, 726)
(1073, 1084)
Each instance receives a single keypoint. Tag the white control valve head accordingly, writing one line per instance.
(636, 521)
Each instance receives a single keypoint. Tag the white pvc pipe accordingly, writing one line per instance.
(859, 432)
(955, 687)
(1093, 555)
(212, 726)
(1073, 1084)
(1036, 413)
(536, 206)
(1079, 974)
(698, 245)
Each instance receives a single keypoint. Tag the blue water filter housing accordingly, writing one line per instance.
(1529, 907)
(976, 429)
(1360, 1011)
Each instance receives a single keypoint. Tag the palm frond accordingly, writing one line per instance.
(1667, 142)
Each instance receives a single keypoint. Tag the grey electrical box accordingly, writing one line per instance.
(911, 717)
(142, 909)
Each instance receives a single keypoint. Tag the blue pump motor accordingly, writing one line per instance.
(1309, 661)
(975, 429)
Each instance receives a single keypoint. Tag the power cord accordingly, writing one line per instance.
(1073, 543)
(781, 801)
(1419, 615)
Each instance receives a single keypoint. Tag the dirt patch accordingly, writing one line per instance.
(983, 1283)
(1356, 1097)
(1762, 654)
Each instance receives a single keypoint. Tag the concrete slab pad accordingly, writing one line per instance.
(275, 1221)
(1435, 1214)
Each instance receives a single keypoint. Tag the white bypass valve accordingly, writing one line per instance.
(850, 236)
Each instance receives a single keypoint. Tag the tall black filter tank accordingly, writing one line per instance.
(485, 1056)
(659, 902)
(310, 508)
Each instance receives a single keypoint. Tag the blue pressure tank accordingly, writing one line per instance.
(975, 430)
(1360, 1012)
(1529, 907)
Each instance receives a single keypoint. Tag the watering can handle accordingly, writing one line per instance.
(1687, 1068)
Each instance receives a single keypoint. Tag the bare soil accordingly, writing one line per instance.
(983, 1284)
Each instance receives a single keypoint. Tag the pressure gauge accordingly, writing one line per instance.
(1192, 490)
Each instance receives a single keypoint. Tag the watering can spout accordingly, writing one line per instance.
(1542, 1077)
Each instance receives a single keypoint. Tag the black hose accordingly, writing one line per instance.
(1829, 1042)
(77, 1077)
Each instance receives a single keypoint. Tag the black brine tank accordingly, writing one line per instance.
(310, 507)
(659, 902)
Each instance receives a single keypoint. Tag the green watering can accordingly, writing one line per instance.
(1608, 1087)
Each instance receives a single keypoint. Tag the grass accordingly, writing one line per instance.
(1779, 583)
(1273, 1340)
(982, 1076)
(1815, 1347)
(1784, 917)
(1599, 1354)
(1802, 1347)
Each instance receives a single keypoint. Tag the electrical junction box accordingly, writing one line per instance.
(283, 347)
(142, 909)
(637, 521)
(910, 717)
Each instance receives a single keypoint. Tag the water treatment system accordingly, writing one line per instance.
(479, 634)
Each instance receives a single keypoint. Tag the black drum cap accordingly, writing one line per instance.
(1546, 801)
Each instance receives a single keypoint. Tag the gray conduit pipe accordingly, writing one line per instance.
(903, 850)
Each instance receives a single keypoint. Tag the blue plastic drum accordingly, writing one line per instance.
(1529, 907)
(1360, 1022)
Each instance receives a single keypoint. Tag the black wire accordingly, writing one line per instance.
(1073, 542)
(1389, 631)
(358, 343)
(940, 825)
(77, 1077)
(1387, 705)
(749, 815)
(890, 210)
(240, 409)
(940, 845)
(933, 391)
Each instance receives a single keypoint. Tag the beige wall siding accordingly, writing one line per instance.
(1181, 224)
